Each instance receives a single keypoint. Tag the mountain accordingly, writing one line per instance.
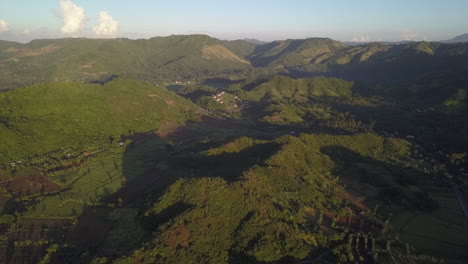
(170, 59)
(189, 149)
(255, 41)
(196, 58)
(356, 43)
(461, 38)
(241, 48)
(289, 53)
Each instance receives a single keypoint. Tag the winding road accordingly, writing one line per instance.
(461, 198)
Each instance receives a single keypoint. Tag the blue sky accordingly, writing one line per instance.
(364, 20)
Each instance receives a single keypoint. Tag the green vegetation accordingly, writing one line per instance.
(170, 59)
(188, 149)
(288, 207)
(62, 118)
(279, 88)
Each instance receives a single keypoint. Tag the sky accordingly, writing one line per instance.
(344, 20)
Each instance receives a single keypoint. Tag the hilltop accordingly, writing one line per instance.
(59, 118)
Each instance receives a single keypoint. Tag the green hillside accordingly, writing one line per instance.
(195, 58)
(174, 58)
(289, 205)
(190, 149)
(290, 53)
(282, 88)
(73, 117)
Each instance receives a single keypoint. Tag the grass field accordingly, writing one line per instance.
(443, 232)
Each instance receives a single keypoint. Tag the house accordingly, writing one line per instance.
(12, 164)
(121, 143)
(410, 137)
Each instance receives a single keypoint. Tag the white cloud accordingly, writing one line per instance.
(73, 17)
(361, 39)
(410, 35)
(108, 27)
(3, 26)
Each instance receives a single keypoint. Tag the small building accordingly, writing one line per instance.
(121, 143)
(12, 164)
(410, 137)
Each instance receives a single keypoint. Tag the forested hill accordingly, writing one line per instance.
(199, 57)
(59, 118)
(156, 59)
(190, 149)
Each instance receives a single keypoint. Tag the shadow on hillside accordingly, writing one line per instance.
(228, 165)
(150, 165)
(104, 80)
(220, 83)
(262, 61)
(390, 179)
(434, 130)
(250, 86)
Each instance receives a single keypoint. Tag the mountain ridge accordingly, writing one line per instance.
(457, 39)
(199, 57)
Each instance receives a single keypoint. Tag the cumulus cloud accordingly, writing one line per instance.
(3, 26)
(361, 39)
(73, 17)
(410, 35)
(108, 27)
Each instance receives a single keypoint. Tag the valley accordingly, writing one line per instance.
(191, 149)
